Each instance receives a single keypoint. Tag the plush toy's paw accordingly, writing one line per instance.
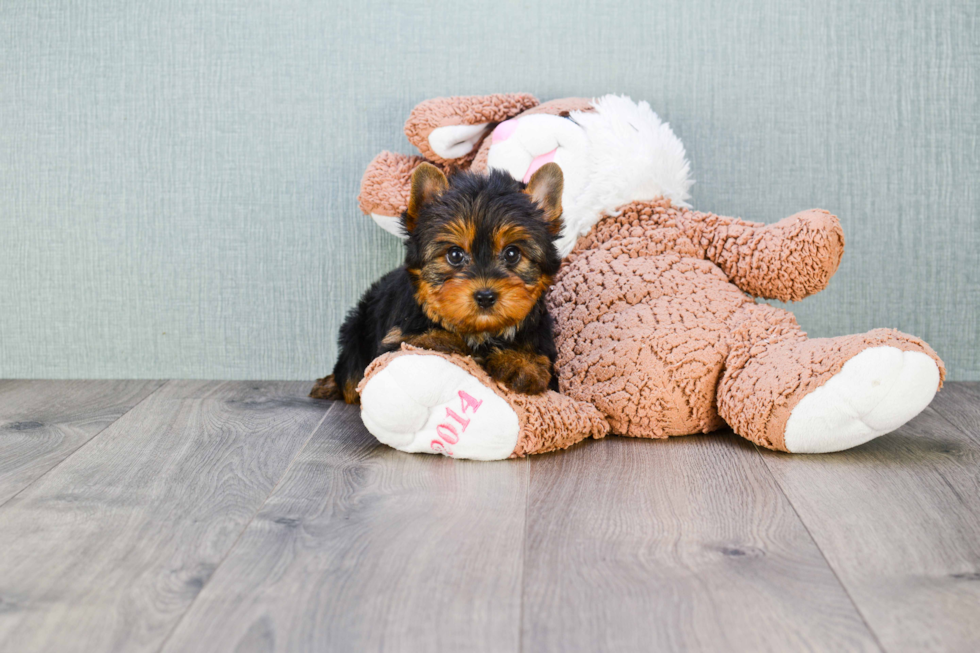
(425, 403)
(875, 392)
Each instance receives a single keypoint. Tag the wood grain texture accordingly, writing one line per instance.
(108, 550)
(959, 404)
(686, 544)
(899, 522)
(43, 422)
(363, 548)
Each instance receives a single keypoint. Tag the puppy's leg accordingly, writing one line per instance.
(347, 373)
(439, 340)
(357, 349)
(392, 340)
(326, 388)
(521, 370)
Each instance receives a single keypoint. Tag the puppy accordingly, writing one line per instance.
(479, 257)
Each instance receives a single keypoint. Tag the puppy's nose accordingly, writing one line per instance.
(485, 298)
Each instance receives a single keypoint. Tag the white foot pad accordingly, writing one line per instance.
(424, 404)
(874, 393)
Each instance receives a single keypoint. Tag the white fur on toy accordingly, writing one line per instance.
(425, 404)
(617, 154)
(391, 224)
(875, 392)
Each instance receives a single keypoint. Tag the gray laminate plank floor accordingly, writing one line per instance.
(684, 544)
(43, 422)
(109, 549)
(899, 522)
(959, 404)
(364, 548)
(210, 516)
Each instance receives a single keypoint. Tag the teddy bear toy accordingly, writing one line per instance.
(658, 330)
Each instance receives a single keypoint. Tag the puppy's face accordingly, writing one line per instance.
(481, 248)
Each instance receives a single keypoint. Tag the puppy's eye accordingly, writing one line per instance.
(511, 255)
(455, 256)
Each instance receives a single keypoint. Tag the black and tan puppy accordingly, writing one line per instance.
(480, 255)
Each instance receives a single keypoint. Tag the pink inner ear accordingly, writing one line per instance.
(503, 131)
(539, 161)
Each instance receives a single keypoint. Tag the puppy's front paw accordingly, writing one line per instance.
(438, 340)
(521, 371)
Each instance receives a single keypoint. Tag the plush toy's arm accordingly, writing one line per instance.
(423, 401)
(788, 260)
(448, 129)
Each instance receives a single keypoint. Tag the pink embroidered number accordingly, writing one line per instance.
(447, 431)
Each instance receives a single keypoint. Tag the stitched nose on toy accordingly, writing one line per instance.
(485, 298)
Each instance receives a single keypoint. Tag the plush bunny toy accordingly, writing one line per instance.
(657, 330)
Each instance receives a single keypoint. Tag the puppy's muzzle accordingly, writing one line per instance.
(485, 298)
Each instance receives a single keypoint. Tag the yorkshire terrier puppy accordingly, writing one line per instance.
(480, 255)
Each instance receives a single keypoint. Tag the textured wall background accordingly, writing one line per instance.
(178, 179)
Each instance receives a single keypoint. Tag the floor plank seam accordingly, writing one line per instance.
(245, 527)
(974, 437)
(520, 618)
(809, 534)
(84, 444)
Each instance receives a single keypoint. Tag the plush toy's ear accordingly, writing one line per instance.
(448, 129)
(545, 187)
(428, 181)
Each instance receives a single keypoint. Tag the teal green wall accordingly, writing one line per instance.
(178, 179)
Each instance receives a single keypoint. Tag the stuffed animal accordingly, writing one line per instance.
(657, 327)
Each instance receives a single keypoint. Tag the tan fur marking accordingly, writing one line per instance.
(393, 337)
(506, 235)
(463, 233)
(453, 307)
(350, 392)
(439, 340)
(326, 388)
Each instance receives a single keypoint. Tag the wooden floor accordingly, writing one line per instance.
(241, 516)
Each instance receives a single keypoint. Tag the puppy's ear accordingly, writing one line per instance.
(545, 189)
(427, 182)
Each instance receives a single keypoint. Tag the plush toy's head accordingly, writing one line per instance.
(480, 248)
(611, 150)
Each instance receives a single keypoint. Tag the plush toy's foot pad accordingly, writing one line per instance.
(425, 403)
(875, 392)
